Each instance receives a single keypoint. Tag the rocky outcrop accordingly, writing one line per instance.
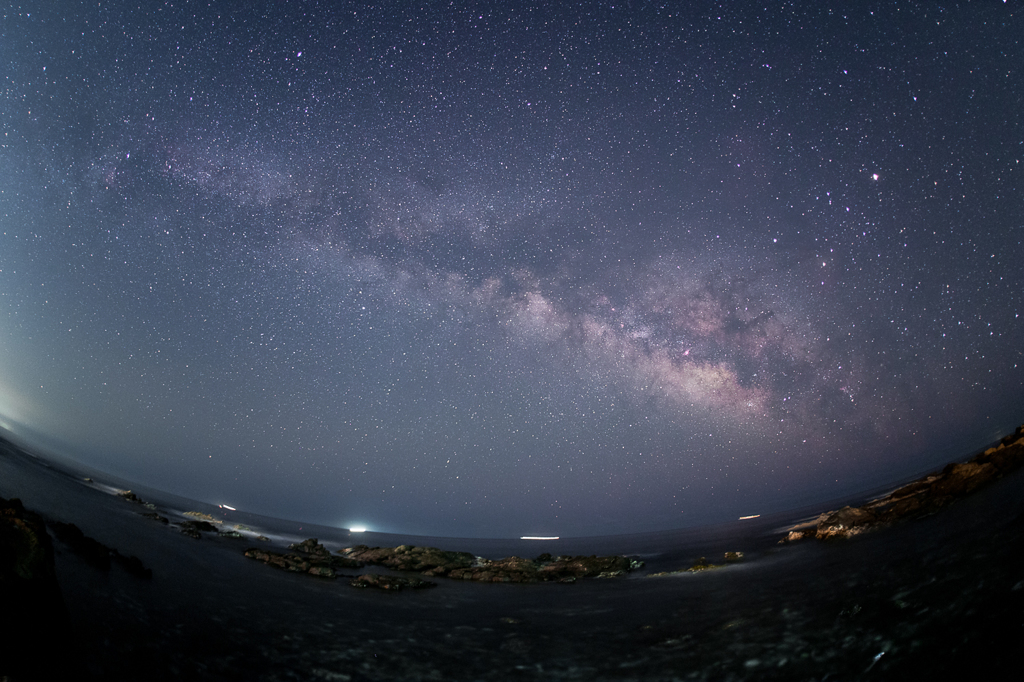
(436, 562)
(429, 560)
(309, 557)
(921, 497)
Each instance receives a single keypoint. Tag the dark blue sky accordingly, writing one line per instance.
(490, 270)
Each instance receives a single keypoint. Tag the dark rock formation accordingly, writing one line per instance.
(33, 614)
(921, 497)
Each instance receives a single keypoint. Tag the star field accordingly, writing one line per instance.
(493, 271)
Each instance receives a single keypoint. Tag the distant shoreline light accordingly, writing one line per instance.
(224, 506)
(538, 537)
(357, 529)
(752, 516)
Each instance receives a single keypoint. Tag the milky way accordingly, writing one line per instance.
(517, 270)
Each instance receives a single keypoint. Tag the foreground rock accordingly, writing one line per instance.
(921, 497)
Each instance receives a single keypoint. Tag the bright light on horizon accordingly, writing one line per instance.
(357, 529)
(539, 537)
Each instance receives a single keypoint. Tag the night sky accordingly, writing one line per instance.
(482, 270)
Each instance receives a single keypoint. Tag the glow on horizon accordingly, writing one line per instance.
(538, 537)
(357, 529)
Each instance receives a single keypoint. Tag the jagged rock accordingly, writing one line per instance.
(389, 582)
(156, 517)
(234, 534)
(310, 546)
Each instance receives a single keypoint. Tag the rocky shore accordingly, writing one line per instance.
(942, 596)
(922, 497)
(311, 557)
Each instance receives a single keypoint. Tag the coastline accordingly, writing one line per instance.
(784, 611)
